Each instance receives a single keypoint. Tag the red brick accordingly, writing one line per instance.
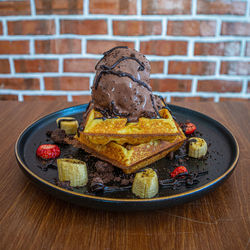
(163, 48)
(14, 47)
(62, 7)
(235, 68)
(113, 7)
(31, 27)
(218, 49)
(156, 67)
(8, 97)
(14, 7)
(81, 98)
(235, 29)
(84, 27)
(220, 86)
(163, 7)
(19, 83)
(229, 99)
(100, 46)
(41, 98)
(221, 7)
(191, 99)
(191, 28)
(136, 28)
(58, 46)
(36, 65)
(1, 28)
(171, 85)
(191, 68)
(4, 66)
(81, 65)
(66, 83)
(247, 53)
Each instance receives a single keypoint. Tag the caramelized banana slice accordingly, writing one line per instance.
(145, 184)
(197, 147)
(68, 124)
(72, 170)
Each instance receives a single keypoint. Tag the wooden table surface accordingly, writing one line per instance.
(32, 219)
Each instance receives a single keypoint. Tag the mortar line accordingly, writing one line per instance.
(32, 47)
(226, 18)
(85, 7)
(69, 98)
(12, 66)
(32, 8)
(60, 65)
(84, 46)
(110, 27)
(20, 97)
(138, 8)
(194, 86)
(218, 28)
(164, 27)
(243, 48)
(42, 85)
(244, 86)
(5, 28)
(194, 7)
(107, 37)
(57, 24)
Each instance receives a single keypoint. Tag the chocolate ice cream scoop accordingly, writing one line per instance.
(127, 60)
(121, 86)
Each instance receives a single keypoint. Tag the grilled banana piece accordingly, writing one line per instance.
(68, 124)
(146, 184)
(72, 170)
(197, 147)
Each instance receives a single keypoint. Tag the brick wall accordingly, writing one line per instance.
(199, 49)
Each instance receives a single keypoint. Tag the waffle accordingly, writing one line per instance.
(128, 157)
(102, 131)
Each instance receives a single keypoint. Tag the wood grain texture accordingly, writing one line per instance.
(31, 219)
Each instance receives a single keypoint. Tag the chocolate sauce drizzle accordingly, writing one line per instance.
(120, 74)
(141, 68)
(80, 129)
(182, 179)
(101, 188)
(167, 107)
(109, 51)
(117, 47)
(165, 104)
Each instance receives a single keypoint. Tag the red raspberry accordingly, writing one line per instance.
(178, 170)
(48, 151)
(189, 128)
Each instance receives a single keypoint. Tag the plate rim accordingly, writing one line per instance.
(125, 200)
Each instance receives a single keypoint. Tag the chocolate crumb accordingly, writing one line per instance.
(64, 184)
(58, 136)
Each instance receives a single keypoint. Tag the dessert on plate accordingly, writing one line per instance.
(125, 124)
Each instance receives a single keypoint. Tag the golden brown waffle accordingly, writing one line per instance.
(103, 131)
(129, 158)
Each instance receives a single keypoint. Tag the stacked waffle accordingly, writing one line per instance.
(125, 124)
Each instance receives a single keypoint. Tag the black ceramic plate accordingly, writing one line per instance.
(220, 162)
